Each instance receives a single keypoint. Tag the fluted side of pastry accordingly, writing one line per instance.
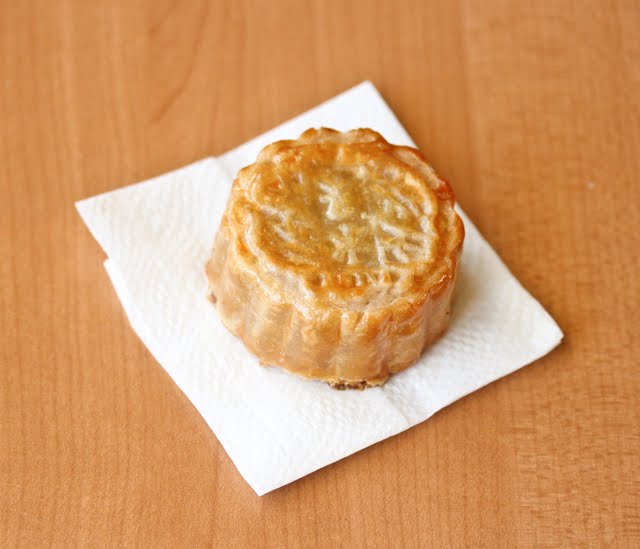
(336, 257)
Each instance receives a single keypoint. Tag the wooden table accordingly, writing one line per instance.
(531, 110)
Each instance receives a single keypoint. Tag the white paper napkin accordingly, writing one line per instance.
(277, 427)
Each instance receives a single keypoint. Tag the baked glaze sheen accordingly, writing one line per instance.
(336, 257)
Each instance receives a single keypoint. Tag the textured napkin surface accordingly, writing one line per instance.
(276, 427)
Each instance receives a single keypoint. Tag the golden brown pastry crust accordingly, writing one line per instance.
(336, 256)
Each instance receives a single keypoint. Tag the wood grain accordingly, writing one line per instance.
(530, 109)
